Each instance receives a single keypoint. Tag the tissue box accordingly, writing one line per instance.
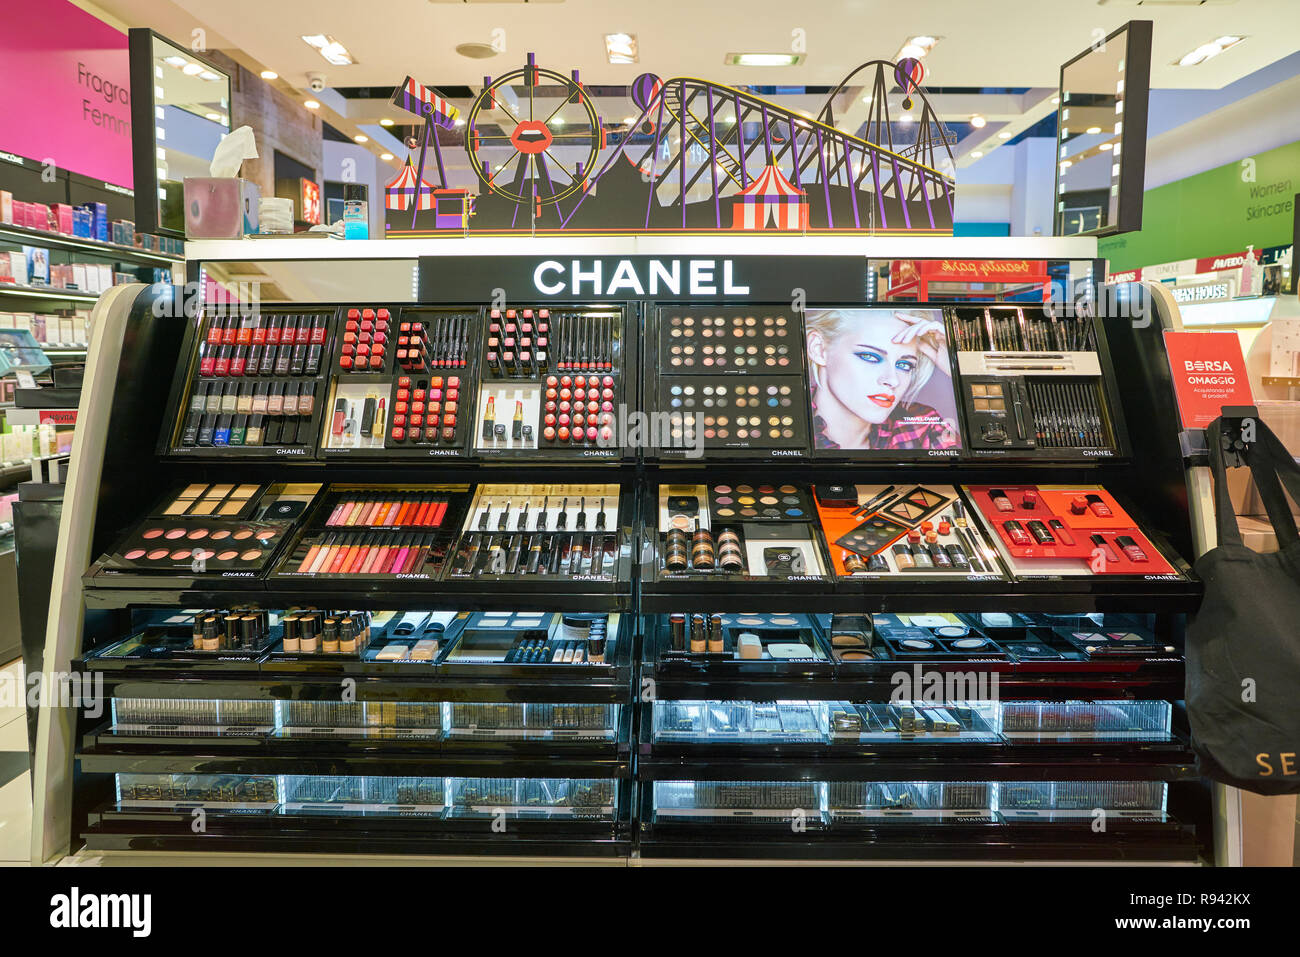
(220, 208)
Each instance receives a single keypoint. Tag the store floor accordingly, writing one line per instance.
(15, 777)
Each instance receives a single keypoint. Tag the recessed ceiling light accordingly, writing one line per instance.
(476, 51)
(621, 48)
(1207, 50)
(906, 118)
(361, 139)
(916, 47)
(192, 69)
(1066, 164)
(460, 121)
(976, 154)
(1107, 146)
(385, 122)
(629, 120)
(209, 76)
(270, 75)
(385, 156)
(311, 104)
(1005, 135)
(216, 117)
(978, 122)
(334, 52)
(763, 59)
(1093, 129)
(1056, 101)
(176, 61)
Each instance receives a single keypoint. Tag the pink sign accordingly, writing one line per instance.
(65, 90)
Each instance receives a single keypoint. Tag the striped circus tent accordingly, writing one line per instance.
(770, 199)
(406, 187)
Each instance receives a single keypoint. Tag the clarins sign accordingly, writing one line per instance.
(593, 278)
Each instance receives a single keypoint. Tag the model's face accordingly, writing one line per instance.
(867, 371)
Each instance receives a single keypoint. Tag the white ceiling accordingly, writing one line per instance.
(985, 42)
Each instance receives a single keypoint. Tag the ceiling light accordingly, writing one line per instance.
(763, 59)
(620, 47)
(209, 76)
(270, 75)
(906, 118)
(1107, 146)
(176, 61)
(216, 117)
(628, 120)
(460, 120)
(976, 154)
(1056, 101)
(1005, 135)
(1207, 50)
(385, 156)
(916, 47)
(1066, 164)
(192, 69)
(385, 122)
(978, 122)
(333, 51)
(311, 104)
(476, 50)
(867, 99)
(361, 139)
(1093, 129)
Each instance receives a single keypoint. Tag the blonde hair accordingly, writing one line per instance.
(830, 324)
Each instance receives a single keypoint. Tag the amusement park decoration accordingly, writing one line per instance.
(698, 157)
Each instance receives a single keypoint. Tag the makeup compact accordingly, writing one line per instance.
(226, 529)
(933, 636)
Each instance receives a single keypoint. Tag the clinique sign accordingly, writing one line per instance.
(459, 279)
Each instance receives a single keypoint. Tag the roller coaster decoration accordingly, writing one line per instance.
(697, 157)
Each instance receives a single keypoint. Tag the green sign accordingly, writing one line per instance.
(1223, 210)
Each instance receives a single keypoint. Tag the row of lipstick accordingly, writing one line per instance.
(517, 344)
(285, 345)
(443, 341)
(379, 553)
(379, 511)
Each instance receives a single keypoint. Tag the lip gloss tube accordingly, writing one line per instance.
(340, 555)
(309, 558)
(356, 555)
(385, 563)
(325, 554)
(400, 558)
(372, 507)
(354, 512)
(439, 514)
(381, 513)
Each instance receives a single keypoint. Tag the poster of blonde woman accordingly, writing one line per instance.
(880, 380)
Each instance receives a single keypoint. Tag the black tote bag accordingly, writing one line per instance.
(1243, 644)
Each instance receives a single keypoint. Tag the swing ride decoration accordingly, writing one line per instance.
(699, 157)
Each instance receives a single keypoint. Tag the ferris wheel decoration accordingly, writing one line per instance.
(533, 136)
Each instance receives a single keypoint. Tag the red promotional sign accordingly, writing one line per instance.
(1209, 373)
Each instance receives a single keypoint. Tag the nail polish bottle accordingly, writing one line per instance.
(1100, 542)
(221, 435)
(1099, 507)
(1000, 500)
(255, 432)
(1131, 548)
(1016, 532)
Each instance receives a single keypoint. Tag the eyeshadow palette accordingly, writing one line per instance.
(933, 636)
(741, 637)
(756, 412)
(868, 540)
(717, 341)
(535, 638)
(204, 528)
(759, 503)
